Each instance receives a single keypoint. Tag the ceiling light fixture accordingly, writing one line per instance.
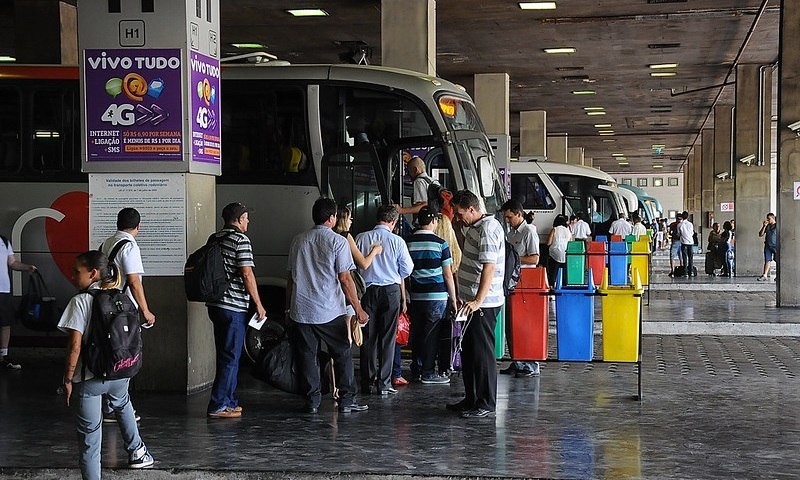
(584, 92)
(602, 125)
(601, 132)
(537, 5)
(658, 166)
(308, 12)
(596, 113)
(559, 50)
(607, 134)
(657, 66)
(7, 58)
(248, 45)
(663, 74)
(594, 109)
(617, 154)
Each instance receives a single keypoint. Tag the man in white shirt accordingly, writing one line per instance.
(416, 170)
(8, 262)
(686, 231)
(638, 228)
(581, 230)
(620, 227)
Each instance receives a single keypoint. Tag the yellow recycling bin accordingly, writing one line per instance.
(621, 309)
(640, 259)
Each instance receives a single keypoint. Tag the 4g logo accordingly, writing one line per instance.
(119, 115)
(206, 118)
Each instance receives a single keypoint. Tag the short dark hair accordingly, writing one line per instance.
(128, 218)
(426, 216)
(635, 217)
(560, 221)
(387, 213)
(465, 199)
(322, 210)
(233, 211)
(513, 206)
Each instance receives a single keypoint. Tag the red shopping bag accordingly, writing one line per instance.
(403, 329)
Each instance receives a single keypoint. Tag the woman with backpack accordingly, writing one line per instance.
(92, 273)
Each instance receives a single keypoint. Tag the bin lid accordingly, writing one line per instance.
(574, 246)
(636, 288)
(640, 247)
(618, 247)
(601, 238)
(597, 247)
(533, 278)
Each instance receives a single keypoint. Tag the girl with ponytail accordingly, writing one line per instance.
(93, 271)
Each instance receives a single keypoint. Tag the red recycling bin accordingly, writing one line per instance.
(529, 319)
(597, 260)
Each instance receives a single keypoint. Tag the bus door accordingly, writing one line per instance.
(353, 177)
(480, 173)
(401, 186)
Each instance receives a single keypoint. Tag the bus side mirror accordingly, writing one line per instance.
(486, 176)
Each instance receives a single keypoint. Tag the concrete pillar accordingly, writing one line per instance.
(752, 181)
(723, 154)
(557, 148)
(491, 100)
(533, 134)
(575, 155)
(54, 40)
(788, 295)
(708, 173)
(588, 161)
(408, 35)
(697, 177)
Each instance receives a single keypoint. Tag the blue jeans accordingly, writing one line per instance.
(87, 397)
(229, 328)
(426, 325)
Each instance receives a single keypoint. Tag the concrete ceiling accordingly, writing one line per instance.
(616, 40)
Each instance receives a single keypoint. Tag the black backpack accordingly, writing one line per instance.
(513, 269)
(113, 347)
(38, 310)
(439, 199)
(113, 254)
(204, 276)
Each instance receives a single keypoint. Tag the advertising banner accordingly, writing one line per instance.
(205, 113)
(133, 104)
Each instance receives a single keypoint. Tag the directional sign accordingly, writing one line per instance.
(726, 207)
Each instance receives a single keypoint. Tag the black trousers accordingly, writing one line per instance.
(334, 335)
(479, 365)
(382, 304)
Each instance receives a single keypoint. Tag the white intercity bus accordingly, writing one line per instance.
(290, 134)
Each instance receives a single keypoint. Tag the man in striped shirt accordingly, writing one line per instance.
(480, 289)
(430, 286)
(229, 314)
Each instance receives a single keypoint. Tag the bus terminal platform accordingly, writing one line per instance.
(720, 396)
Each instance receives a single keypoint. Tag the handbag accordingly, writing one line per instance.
(403, 329)
(38, 310)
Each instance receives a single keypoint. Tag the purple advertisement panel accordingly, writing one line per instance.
(133, 104)
(205, 114)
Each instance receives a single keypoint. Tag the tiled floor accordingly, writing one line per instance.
(714, 407)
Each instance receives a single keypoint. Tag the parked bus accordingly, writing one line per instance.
(648, 206)
(550, 188)
(289, 135)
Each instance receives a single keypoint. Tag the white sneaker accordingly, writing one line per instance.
(141, 458)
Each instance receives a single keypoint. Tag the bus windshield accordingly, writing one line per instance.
(585, 195)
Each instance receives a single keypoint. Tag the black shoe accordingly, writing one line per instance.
(477, 413)
(461, 406)
(511, 370)
(311, 409)
(389, 391)
(353, 408)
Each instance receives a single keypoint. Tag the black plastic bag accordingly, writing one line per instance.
(38, 310)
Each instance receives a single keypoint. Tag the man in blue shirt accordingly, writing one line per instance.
(319, 280)
(431, 288)
(383, 300)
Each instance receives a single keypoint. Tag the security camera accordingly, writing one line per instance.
(723, 175)
(795, 127)
(748, 160)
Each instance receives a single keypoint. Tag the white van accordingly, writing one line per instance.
(549, 189)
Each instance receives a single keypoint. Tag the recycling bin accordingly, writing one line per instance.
(575, 320)
(640, 259)
(500, 334)
(529, 316)
(597, 260)
(621, 309)
(576, 263)
(618, 263)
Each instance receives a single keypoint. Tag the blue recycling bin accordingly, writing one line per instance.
(618, 263)
(601, 238)
(575, 320)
